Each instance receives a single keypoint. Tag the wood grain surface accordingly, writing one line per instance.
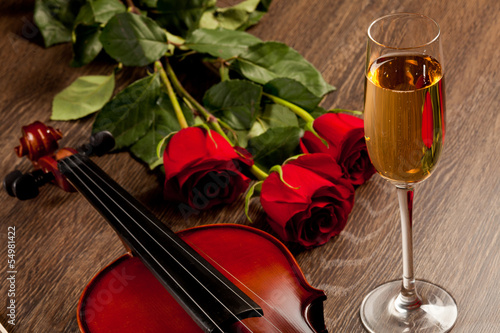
(62, 242)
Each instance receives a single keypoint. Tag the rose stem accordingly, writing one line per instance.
(223, 72)
(353, 112)
(171, 94)
(258, 172)
(294, 108)
(210, 118)
(132, 8)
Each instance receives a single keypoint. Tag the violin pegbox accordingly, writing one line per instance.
(39, 144)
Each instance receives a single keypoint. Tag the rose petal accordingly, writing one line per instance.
(207, 165)
(344, 131)
(317, 226)
(321, 164)
(245, 156)
(345, 137)
(193, 145)
(290, 200)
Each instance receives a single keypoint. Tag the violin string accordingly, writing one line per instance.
(109, 210)
(175, 241)
(165, 250)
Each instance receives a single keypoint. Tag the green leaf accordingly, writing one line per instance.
(236, 102)
(232, 18)
(276, 115)
(238, 17)
(267, 61)
(274, 146)
(129, 115)
(248, 5)
(99, 11)
(85, 15)
(253, 19)
(87, 44)
(318, 111)
(181, 17)
(134, 40)
(148, 3)
(85, 95)
(293, 92)
(220, 43)
(104, 10)
(257, 129)
(55, 19)
(87, 29)
(164, 123)
(243, 136)
(208, 20)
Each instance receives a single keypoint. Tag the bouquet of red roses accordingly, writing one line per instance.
(307, 199)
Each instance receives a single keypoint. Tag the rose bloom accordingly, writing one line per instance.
(203, 170)
(346, 144)
(317, 206)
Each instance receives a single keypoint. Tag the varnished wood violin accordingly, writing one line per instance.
(214, 278)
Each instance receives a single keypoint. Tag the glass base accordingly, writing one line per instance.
(437, 313)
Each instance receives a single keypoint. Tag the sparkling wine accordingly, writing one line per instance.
(404, 116)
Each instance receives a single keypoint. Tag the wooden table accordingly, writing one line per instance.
(62, 242)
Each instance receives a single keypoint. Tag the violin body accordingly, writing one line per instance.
(125, 297)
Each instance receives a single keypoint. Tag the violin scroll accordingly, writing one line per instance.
(39, 144)
(38, 140)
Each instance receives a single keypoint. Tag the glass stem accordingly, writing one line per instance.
(408, 298)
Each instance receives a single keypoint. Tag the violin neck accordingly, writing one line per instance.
(208, 296)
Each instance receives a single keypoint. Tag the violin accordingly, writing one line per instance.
(213, 278)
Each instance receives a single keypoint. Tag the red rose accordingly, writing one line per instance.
(203, 169)
(346, 143)
(316, 208)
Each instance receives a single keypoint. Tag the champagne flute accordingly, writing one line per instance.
(404, 130)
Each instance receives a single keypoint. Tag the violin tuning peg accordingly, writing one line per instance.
(26, 186)
(100, 143)
(9, 181)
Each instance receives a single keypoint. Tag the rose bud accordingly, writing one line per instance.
(346, 143)
(311, 204)
(203, 169)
